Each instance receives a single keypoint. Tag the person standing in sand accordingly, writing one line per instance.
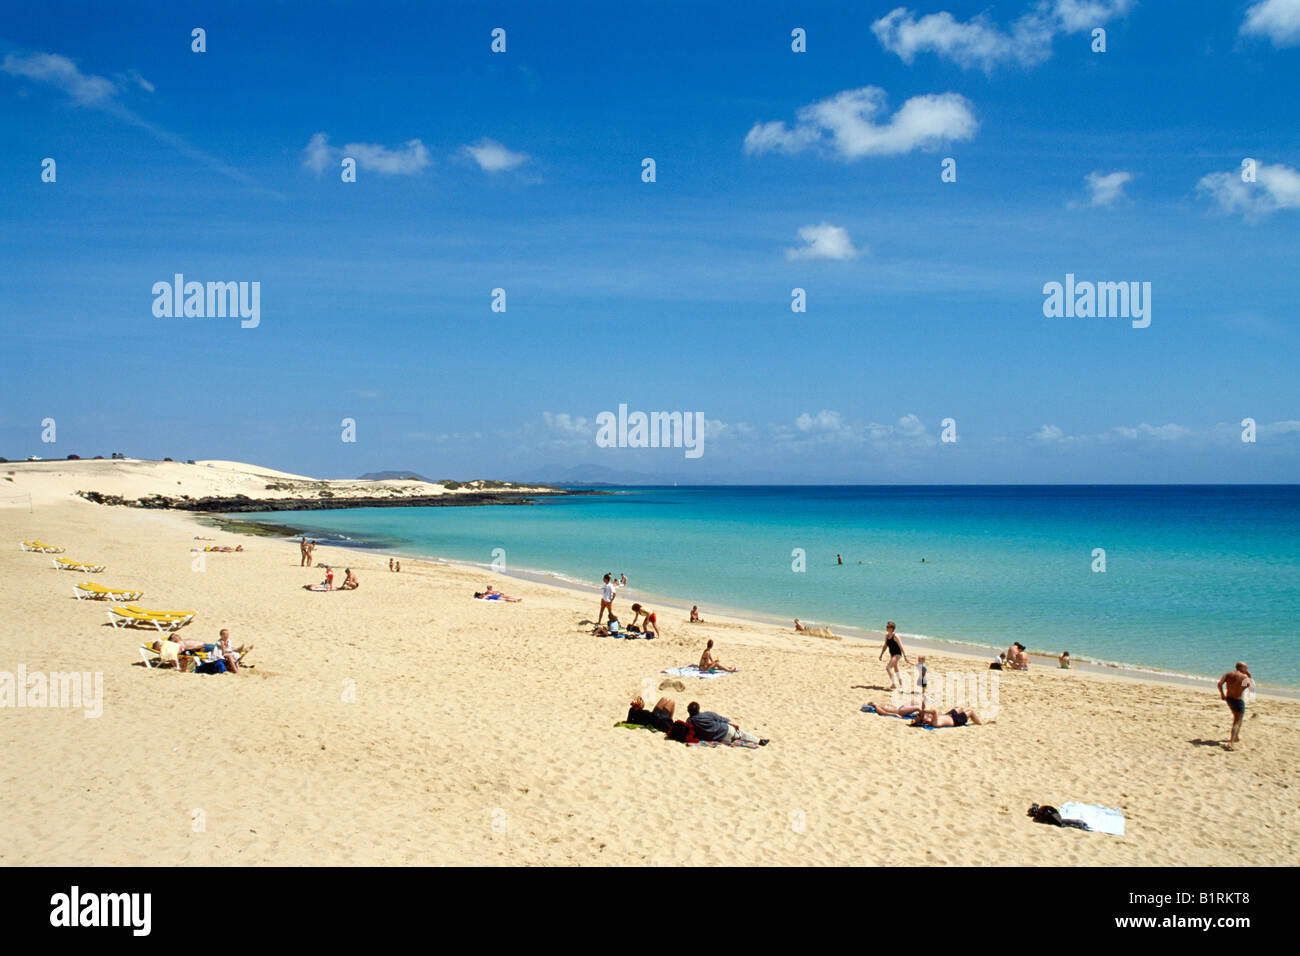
(311, 550)
(895, 653)
(1237, 682)
(607, 594)
(302, 547)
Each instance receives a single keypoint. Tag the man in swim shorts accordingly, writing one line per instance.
(1237, 682)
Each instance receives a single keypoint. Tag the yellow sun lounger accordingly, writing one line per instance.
(63, 564)
(42, 547)
(158, 620)
(88, 590)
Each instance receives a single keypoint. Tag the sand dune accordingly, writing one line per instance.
(406, 723)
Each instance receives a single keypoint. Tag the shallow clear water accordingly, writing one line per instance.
(1196, 577)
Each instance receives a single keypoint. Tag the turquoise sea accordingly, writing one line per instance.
(1196, 577)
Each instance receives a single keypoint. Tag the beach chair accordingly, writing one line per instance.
(88, 590)
(63, 564)
(42, 547)
(160, 621)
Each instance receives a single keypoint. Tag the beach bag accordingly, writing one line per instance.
(211, 667)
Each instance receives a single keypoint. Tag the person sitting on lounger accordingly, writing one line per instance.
(709, 662)
(957, 717)
(350, 582)
(651, 624)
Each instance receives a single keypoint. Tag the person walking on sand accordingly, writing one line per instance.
(607, 593)
(710, 662)
(895, 653)
(1237, 683)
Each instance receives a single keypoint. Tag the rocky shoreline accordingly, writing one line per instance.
(242, 503)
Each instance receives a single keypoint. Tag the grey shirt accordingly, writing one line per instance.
(710, 726)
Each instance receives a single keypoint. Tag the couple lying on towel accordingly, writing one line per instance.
(492, 594)
(699, 726)
(925, 717)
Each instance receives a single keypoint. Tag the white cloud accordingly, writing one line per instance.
(1049, 433)
(569, 426)
(829, 427)
(1276, 187)
(1169, 432)
(105, 95)
(407, 160)
(492, 157)
(60, 72)
(1279, 20)
(1105, 189)
(981, 43)
(823, 241)
(846, 124)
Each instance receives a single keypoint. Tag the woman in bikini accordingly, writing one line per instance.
(708, 662)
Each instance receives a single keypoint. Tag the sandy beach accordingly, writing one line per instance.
(406, 723)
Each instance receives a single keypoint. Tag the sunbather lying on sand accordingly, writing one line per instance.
(492, 594)
(957, 717)
(888, 710)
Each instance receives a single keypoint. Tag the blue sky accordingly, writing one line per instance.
(774, 170)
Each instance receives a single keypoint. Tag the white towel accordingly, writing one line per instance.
(1102, 819)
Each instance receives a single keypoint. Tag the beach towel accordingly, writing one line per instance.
(1094, 817)
(694, 671)
(628, 725)
(718, 743)
(319, 587)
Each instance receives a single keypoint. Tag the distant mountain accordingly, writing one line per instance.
(394, 476)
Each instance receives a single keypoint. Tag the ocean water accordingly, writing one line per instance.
(1196, 577)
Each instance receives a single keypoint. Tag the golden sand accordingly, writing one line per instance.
(406, 723)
